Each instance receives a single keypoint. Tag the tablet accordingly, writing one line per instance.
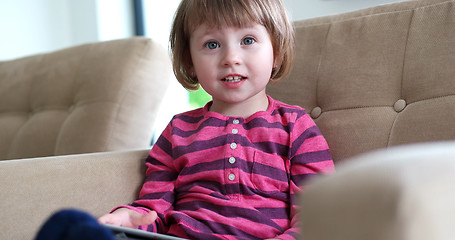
(135, 234)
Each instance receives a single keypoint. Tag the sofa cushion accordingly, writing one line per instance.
(90, 98)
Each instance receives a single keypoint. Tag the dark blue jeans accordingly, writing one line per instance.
(73, 225)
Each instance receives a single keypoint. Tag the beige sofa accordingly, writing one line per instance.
(371, 79)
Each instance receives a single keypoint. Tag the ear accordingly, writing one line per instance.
(275, 63)
(191, 71)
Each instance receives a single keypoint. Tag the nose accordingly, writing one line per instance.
(231, 57)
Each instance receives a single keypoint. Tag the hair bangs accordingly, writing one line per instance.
(226, 13)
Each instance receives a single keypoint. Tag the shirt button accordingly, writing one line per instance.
(235, 131)
(232, 160)
(233, 145)
(235, 121)
(231, 177)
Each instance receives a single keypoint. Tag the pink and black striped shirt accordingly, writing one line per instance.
(211, 176)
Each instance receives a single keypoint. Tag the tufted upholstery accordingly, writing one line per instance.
(89, 98)
(377, 77)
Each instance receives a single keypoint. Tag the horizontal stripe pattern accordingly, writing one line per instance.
(211, 176)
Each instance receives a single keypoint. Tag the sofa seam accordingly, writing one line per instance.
(358, 107)
(411, 20)
(412, 103)
(431, 98)
(73, 92)
(321, 57)
(388, 106)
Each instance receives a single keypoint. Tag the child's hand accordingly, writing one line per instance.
(128, 218)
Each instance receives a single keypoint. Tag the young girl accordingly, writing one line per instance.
(232, 169)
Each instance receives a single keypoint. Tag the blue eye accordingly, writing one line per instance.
(212, 45)
(248, 41)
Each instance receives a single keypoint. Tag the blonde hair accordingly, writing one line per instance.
(234, 13)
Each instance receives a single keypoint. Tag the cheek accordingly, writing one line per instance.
(268, 54)
(198, 67)
(203, 65)
(267, 61)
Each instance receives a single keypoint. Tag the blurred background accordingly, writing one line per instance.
(37, 26)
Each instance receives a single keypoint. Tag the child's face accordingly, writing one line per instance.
(232, 64)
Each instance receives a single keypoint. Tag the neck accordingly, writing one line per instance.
(243, 109)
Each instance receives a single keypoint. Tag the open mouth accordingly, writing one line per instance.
(233, 79)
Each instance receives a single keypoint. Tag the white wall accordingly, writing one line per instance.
(114, 19)
(28, 25)
(158, 18)
(35, 26)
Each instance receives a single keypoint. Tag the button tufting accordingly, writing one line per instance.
(316, 112)
(399, 105)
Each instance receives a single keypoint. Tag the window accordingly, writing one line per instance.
(158, 16)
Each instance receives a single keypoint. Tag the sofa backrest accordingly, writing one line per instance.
(89, 98)
(377, 77)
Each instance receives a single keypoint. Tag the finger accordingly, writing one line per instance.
(103, 219)
(107, 219)
(146, 219)
(151, 217)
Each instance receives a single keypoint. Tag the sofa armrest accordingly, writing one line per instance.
(33, 189)
(404, 193)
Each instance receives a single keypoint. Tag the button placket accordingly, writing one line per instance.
(232, 174)
(235, 130)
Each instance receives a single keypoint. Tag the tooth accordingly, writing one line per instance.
(233, 78)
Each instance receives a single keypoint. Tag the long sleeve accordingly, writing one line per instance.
(157, 192)
(309, 155)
